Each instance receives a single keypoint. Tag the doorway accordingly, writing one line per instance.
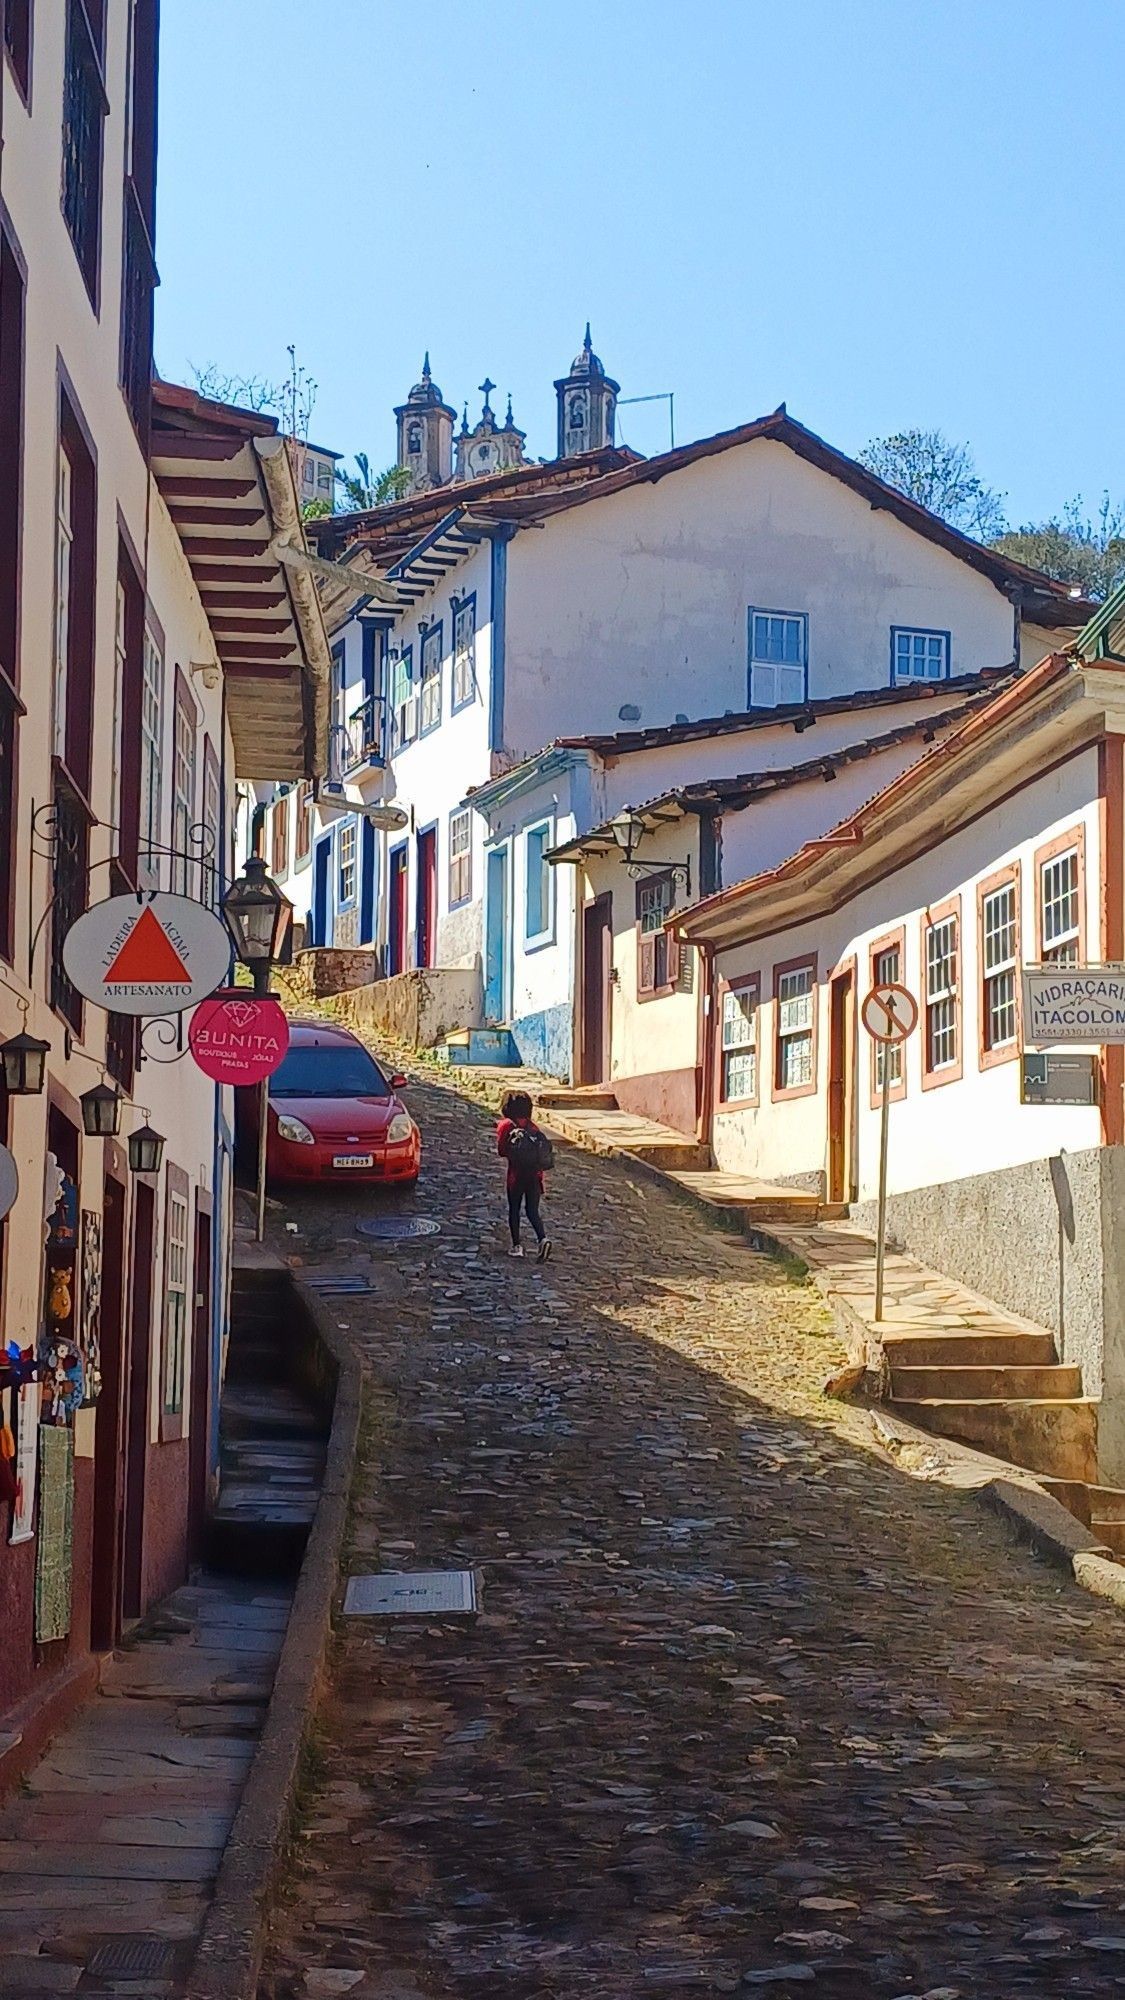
(105, 1595)
(368, 878)
(322, 857)
(201, 1377)
(396, 936)
(425, 915)
(597, 989)
(137, 1421)
(496, 981)
(842, 1184)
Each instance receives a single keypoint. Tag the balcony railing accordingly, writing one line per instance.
(359, 740)
(136, 313)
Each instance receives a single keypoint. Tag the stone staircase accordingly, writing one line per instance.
(1099, 1508)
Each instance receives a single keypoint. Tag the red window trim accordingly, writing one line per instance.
(778, 1094)
(75, 439)
(889, 941)
(933, 1079)
(674, 949)
(743, 982)
(1010, 1051)
(1075, 836)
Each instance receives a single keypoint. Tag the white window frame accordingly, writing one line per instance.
(886, 969)
(184, 731)
(460, 858)
(152, 753)
(430, 657)
(656, 900)
(175, 1304)
(464, 652)
(998, 931)
(941, 980)
(64, 577)
(796, 992)
(1061, 940)
(120, 653)
(738, 1040)
(775, 680)
(347, 865)
(404, 699)
(916, 650)
(546, 933)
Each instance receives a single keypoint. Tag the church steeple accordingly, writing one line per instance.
(425, 434)
(587, 403)
(489, 447)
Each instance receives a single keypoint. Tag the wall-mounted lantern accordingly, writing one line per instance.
(101, 1111)
(24, 1060)
(629, 829)
(146, 1150)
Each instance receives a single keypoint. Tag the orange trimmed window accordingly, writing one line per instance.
(941, 952)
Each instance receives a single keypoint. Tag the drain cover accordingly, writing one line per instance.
(339, 1287)
(129, 1957)
(425, 1593)
(397, 1228)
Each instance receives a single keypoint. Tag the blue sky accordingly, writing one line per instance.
(881, 213)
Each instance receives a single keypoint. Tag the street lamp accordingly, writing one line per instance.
(101, 1111)
(24, 1059)
(257, 916)
(628, 831)
(146, 1150)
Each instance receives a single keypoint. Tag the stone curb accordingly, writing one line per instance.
(228, 1957)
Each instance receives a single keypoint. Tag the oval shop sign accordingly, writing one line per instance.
(156, 956)
(238, 1039)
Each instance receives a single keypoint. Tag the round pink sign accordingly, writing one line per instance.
(238, 1039)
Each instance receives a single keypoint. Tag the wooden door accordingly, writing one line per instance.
(137, 1422)
(105, 1593)
(841, 1088)
(396, 938)
(597, 990)
(426, 913)
(497, 931)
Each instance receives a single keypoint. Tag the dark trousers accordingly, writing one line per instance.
(528, 1195)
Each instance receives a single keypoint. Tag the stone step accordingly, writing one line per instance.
(986, 1384)
(970, 1350)
(1112, 1533)
(1060, 1439)
(578, 1097)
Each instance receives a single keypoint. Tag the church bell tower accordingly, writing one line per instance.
(587, 404)
(425, 434)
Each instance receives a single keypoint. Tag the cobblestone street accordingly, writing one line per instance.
(746, 1708)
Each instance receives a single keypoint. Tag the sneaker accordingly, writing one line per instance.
(543, 1251)
(516, 1250)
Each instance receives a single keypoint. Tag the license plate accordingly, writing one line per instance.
(354, 1160)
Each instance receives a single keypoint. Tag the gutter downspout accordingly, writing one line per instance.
(285, 513)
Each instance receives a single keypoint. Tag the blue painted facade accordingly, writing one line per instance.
(544, 1039)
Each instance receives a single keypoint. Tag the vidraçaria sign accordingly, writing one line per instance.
(238, 1037)
(153, 955)
(1073, 1003)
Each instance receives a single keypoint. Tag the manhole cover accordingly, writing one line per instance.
(397, 1228)
(339, 1287)
(425, 1593)
(129, 1957)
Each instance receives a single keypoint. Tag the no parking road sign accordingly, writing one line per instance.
(889, 1012)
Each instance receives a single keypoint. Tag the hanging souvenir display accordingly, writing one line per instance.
(7, 1450)
(26, 1401)
(52, 1189)
(59, 1301)
(91, 1297)
(62, 1380)
(53, 1557)
(62, 1227)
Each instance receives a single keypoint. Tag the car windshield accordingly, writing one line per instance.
(328, 1071)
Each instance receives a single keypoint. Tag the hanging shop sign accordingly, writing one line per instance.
(1073, 1003)
(9, 1181)
(158, 956)
(238, 1039)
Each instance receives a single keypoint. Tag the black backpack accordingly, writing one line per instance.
(530, 1151)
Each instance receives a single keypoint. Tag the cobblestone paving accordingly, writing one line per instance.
(746, 1708)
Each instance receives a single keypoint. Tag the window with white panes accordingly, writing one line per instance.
(404, 700)
(998, 966)
(460, 858)
(886, 970)
(1060, 925)
(657, 956)
(120, 648)
(346, 862)
(739, 1043)
(778, 657)
(941, 994)
(175, 1303)
(64, 550)
(918, 655)
(183, 791)
(795, 1028)
(152, 687)
(464, 651)
(431, 678)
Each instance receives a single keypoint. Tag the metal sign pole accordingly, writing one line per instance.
(263, 1136)
(884, 1130)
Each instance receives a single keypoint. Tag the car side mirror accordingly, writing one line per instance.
(398, 1083)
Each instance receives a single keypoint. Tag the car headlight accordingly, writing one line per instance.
(292, 1129)
(401, 1127)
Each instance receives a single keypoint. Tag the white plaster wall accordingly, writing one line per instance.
(973, 1126)
(642, 597)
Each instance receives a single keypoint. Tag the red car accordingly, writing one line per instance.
(335, 1115)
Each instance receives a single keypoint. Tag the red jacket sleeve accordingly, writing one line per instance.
(503, 1133)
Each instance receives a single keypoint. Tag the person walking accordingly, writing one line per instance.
(530, 1155)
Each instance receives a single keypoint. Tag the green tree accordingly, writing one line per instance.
(1076, 547)
(362, 489)
(940, 475)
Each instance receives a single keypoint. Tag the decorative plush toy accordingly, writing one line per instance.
(60, 1300)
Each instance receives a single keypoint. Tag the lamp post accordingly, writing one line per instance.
(257, 916)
